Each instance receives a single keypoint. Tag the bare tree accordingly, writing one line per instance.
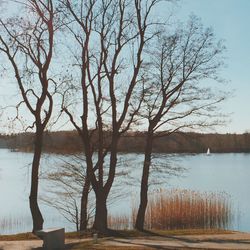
(28, 44)
(111, 36)
(175, 95)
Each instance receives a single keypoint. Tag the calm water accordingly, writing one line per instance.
(218, 172)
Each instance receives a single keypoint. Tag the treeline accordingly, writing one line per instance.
(68, 142)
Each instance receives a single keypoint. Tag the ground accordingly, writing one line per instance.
(232, 240)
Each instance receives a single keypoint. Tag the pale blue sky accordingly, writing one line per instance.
(230, 20)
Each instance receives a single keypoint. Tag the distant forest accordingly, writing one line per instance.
(68, 142)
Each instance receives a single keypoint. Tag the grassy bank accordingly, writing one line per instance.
(120, 233)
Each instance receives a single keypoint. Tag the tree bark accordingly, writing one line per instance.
(34, 208)
(84, 205)
(101, 213)
(140, 219)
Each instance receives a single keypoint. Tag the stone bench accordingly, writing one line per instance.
(53, 238)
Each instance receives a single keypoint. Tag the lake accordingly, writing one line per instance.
(218, 173)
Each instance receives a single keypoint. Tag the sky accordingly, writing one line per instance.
(230, 21)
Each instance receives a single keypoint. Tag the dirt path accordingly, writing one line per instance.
(235, 241)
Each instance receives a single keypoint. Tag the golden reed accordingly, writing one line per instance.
(180, 209)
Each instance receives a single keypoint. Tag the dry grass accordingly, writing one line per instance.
(180, 209)
(177, 232)
(21, 236)
(176, 209)
(31, 236)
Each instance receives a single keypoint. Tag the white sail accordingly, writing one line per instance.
(208, 151)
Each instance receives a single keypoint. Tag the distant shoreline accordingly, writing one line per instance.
(68, 142)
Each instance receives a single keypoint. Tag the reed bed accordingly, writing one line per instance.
(10, 224)
(119, 222)
(181, 209)
(175, 209)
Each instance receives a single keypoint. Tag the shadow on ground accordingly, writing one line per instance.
(68, 246)
(185, 239)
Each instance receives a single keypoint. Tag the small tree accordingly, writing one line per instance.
(175, 97)
(66, 184)
(28, 44)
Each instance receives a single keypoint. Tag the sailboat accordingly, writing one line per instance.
(208, 151)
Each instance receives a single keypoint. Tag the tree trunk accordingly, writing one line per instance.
(140, 219)
(101, 213)
(84, 205)
(101, 193)
(34, 208)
